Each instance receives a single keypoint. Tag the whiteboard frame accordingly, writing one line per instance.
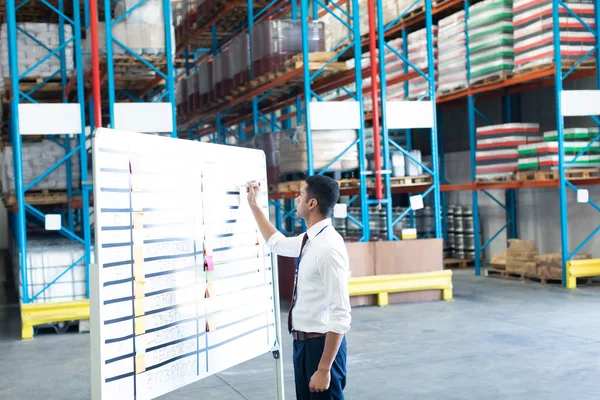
(96, 301)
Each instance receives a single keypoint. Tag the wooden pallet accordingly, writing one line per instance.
(402, 181)
(452, 91)
(498, 77)
(451, 263)
(566, 65)
(522, 276)
(507, 178)
(441, 3)
(41, 198)
(571, 174)
(295, 186)
(316, 61)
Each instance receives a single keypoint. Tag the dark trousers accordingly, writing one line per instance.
(307, 355)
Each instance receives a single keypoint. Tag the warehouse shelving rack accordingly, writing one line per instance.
(26, 91)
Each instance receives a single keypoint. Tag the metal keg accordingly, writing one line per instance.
(398, 227)
(459, 255)
(468, 221)
(352, 229)
(458, 219)
(469, 241)
(427, 219)
(459, 242)
(450, 219)
(451, 240)
(340, 225)
(470, 255)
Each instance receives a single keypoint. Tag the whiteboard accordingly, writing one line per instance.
(164, 208)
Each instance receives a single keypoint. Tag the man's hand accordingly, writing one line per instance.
(253, 193)
(320, 380)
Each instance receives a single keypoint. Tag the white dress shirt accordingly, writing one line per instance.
(322, 303)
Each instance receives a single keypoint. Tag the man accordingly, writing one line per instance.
(320, 311)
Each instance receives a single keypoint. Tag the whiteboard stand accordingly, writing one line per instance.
(277, 350)
(181, 288)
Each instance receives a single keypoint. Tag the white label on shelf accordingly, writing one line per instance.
(326, 115)
(409, 114)
(49, 119)
(416, 202)
(580, 102)
(53, 222)
(144, 117)
(340, 210)
(583, 196)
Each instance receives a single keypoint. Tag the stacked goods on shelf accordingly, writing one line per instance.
(193, 94)
(31, 37)
(240, 59)
(394, 68)
(417, 54)
(520, 257)
(377, 223)
(534, 33)
(497, 153)
(452, 57)
(270, 144)
(490, 29)
(276, 41)
(222, 76)
(205, 80)
(575, 141)
(38, 157)
(327, 145)
(337, 35)
(46, 260)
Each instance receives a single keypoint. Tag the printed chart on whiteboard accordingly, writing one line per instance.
(183, 288)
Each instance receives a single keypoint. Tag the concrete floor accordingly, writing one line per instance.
(497, 340)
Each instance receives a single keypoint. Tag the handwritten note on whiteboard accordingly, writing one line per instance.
(183, 288)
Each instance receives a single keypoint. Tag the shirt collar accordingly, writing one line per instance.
(316, 228)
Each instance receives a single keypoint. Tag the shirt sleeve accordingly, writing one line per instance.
(334, 272)
(287, 247)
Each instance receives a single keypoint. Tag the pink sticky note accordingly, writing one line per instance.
(208, 263)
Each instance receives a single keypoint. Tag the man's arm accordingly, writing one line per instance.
(334, 272)
(264, 225)
(279, 244)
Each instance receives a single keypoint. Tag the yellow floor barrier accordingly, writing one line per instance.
(581, 269)
(45, 313)
(382, 285)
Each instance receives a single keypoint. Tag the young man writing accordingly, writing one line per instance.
(319, 315)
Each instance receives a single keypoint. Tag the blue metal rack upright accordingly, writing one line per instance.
(429, 75)
(77, 231)
(165, 91)
(559, 78)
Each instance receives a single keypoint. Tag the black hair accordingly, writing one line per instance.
(325, 190)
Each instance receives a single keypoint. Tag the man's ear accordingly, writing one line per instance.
(313, 203)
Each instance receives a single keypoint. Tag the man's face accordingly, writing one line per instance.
(302, 204)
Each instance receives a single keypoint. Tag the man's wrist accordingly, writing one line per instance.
(323, 368)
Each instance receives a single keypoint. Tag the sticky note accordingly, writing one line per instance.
(583, 196)
(139, 275)
(140, 364)
(210, 323)
(416, 202)
(209, 276)
(138, 254)
(140, 344)
(211, 289)
(52, 222)
(138, 220)
(139, 291)
(138, 307)
(139, 325)
(208, 263)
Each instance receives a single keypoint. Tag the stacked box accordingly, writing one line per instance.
(534, 34)
(327, 145)
(497, 148)
(337, 35)
(30, 52)
(276, 41)
(575, 141)
(549, 265)
(491, 50)
(520, 256)
(46, 260)
(452, 57)
(222, 76)
(417, 55)
(205, 82)
(38, 157)
(240, 59)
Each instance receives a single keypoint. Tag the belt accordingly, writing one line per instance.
(306, 336)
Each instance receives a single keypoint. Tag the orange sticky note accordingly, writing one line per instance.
(138, 220)
(139, 290)
(139, 325)
(207, 249)
(140, 364)
(139, 275)
(138, 254)
(210, 324)
(138, 307)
